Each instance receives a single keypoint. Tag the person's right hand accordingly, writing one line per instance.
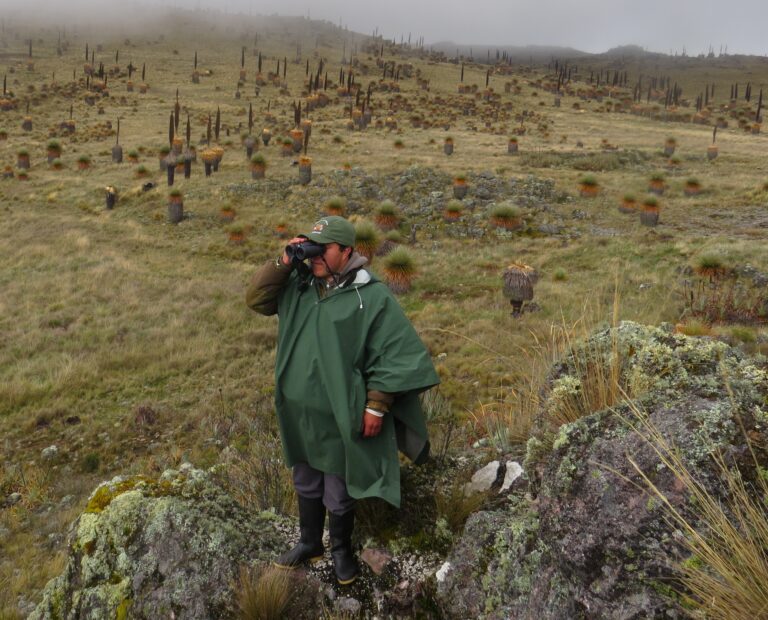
(286, 260)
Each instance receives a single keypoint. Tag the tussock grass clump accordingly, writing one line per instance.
(560, 275)
(265, 593)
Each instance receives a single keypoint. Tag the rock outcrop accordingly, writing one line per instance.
(163, 548)
(588, 540)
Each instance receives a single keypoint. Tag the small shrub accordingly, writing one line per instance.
(743, 334)
(91, 462)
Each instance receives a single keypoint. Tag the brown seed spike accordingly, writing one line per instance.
(217, 127)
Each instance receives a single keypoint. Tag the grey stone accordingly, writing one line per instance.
(377, 559)
(550, 229)
(514, 471)
(483, 193)
(49, 453)
(13, 499)
(348, 606)
(483, 479)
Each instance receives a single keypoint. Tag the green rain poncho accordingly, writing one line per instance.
(330, 351)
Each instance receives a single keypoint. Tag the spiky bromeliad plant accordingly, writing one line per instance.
(628, 204)
(392, 239)
(453, 211)
(649, 213)
(335, 205)
(236, 233)
(692, 187)
(258, 166)
(398, 271)
(710, 265)
(460, 186)
(507, 216)
(366, 239)
(386, 216)
(670, 144)
(657, 184)
(227, 213)
(588, 186)
(22, 159)
(53, 150)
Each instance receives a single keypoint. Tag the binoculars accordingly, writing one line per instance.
(298, 252)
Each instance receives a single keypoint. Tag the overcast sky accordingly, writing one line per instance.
(588, 25)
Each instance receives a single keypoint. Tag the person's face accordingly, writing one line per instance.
(334, 257)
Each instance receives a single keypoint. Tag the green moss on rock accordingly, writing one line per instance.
(146, 548)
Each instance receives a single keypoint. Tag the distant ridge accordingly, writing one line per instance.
(521, 52)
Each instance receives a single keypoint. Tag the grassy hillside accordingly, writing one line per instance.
(125, 339)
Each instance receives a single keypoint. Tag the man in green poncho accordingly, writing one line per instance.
(348, 373)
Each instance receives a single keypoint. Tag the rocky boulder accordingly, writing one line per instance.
(588, 540)
(159, 548)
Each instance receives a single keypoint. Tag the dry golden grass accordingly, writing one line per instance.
(725, 575)
(264, 593)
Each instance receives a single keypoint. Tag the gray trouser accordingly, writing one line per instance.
(312, 483)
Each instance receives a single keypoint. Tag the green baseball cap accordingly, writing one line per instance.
(333, 229)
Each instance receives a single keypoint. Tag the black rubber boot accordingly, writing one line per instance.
(310, 545)
(344, 563)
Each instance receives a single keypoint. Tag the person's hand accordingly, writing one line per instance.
(371, 425)
(285, 259)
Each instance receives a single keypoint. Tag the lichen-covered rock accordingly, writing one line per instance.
(158, 548)
(588, 541)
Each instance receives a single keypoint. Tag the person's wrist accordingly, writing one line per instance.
(374, 412)
(377, 405)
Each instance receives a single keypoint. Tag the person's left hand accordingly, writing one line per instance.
(371, 425)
